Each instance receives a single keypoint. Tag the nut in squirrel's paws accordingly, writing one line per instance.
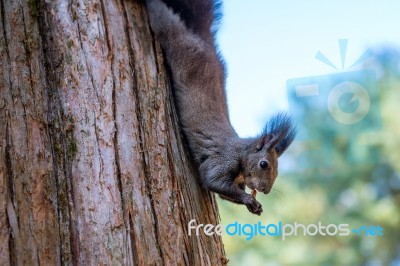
(254, 206)
(254, 193)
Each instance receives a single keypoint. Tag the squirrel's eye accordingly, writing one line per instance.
(263, 164)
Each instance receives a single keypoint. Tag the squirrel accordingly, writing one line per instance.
(226, 163)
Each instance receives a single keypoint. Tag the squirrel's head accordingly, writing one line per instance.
(260, 164)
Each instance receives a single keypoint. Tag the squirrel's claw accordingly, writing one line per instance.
(254, 206)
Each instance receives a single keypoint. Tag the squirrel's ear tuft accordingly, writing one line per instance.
(280, 126)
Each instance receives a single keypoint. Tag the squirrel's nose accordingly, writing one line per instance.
(265, 189)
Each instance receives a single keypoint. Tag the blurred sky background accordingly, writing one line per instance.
(265, 43)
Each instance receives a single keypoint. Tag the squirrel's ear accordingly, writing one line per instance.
(285, 142)
(282, 146)
(275, 139)
(262, 141)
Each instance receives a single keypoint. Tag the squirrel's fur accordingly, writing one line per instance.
(226, 163)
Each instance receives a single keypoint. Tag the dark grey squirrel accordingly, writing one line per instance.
(226, 163)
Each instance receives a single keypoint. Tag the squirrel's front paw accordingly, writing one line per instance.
(253, 205)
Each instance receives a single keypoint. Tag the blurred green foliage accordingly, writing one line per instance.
(355, 194)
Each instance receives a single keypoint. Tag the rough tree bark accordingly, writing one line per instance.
(92, 166)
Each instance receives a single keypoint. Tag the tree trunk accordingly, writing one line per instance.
(92, 166)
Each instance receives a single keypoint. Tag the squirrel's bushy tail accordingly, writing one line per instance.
(200, 16)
